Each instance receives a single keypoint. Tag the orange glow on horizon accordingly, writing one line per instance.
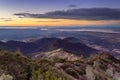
(55, 22)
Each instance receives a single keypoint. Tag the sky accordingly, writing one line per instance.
(59, 12)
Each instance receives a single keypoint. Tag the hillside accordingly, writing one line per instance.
(58, 53)
(15, 66)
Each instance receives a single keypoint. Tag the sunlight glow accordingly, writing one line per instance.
(53, 22)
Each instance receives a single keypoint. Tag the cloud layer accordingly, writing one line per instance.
(88, 30)
(78, 14)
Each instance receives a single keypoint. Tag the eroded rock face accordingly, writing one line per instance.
(99, 67)
(116, 76)
(111, 72)
(65, 66)
(59, 53)
(90, 73)
(6, 77)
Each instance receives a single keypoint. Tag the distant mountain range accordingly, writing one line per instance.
(70, 44)
(102, 38)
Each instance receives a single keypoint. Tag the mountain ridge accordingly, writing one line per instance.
(47, 44)
(58, 53)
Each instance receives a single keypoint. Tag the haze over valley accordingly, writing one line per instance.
(104, 39)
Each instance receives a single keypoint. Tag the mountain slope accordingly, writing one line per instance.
(96, 67)
(14, 66)
(58, 53)
(47, 44)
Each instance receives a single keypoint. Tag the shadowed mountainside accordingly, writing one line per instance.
(48, 44)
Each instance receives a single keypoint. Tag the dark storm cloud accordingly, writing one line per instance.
(78, 14)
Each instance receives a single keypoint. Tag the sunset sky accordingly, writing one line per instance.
(59, 12)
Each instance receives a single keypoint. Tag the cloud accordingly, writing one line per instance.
(49, 21)
(78, 14)
(88, 30)
(7, 19)
(72, 5)
(4, 18)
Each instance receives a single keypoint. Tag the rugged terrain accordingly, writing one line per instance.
(15, 66)
(56, 59)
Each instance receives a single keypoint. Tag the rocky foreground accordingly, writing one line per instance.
(15, 66)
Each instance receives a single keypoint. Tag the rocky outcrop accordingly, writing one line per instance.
(58, 53)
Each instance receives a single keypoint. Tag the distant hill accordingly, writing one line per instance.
(48, 44)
